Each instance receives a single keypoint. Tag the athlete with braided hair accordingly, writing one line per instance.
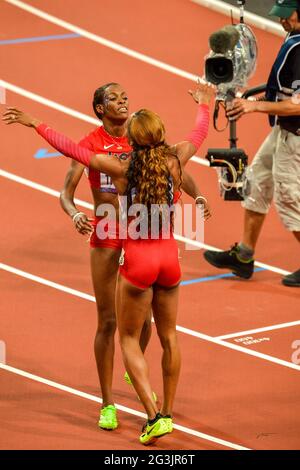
(110, 105)
(149, 268)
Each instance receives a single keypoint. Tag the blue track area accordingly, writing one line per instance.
(55, 37)
(213, 278)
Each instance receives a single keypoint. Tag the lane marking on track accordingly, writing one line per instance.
(52, 192)
(250, 18)
(51, 104)
(104, 42)
(53, 37)
(125, 409)
(236, 347)
(179, 328)
(211, 4)
(46, 282)
(199, 280)
(60, 287)
(259, 330)
(41, 188)
(44, 153)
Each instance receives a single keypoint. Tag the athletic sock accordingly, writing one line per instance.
(245, 253)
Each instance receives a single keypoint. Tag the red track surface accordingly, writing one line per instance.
(224, 393)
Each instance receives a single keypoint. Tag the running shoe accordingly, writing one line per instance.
(230, 260)
(152, 431)
(292, 280)
(169, 421)
(127, 378)
(128, 381)
(108, 418)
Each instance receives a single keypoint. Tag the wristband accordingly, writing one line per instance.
(76, 215)
(200, 199)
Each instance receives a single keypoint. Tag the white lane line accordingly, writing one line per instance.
(260, 330)
(202, 161)
(236, 347)
(86, 205)
(125, 409)
(179, 328)
(101, 40)
(272, 268)
(46, 282)
(69, 111)
(41, 188)
(51, 104)
(250, 18)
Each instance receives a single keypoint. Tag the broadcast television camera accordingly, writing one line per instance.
(229, 65)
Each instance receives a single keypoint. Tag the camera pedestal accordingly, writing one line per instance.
(223, 158)
(232, 161)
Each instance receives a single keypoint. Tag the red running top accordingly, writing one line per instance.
(99, 141)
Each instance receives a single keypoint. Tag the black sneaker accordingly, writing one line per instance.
(292, 280)
(230, 260)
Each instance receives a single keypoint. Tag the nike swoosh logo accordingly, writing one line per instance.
(108, 146)
(151, 429)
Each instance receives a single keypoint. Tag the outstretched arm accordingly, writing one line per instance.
(111, 166)
(186, 149)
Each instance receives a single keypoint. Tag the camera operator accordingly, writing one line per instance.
(275, 170)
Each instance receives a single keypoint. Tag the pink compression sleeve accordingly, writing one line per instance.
(200, 131)
(65, 145)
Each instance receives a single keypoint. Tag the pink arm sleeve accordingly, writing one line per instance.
(65, 145)
(200, 131)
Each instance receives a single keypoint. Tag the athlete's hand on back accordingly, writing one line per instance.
(204, 92)
(15, 116)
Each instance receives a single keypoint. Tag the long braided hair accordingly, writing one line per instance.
(149, 179)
